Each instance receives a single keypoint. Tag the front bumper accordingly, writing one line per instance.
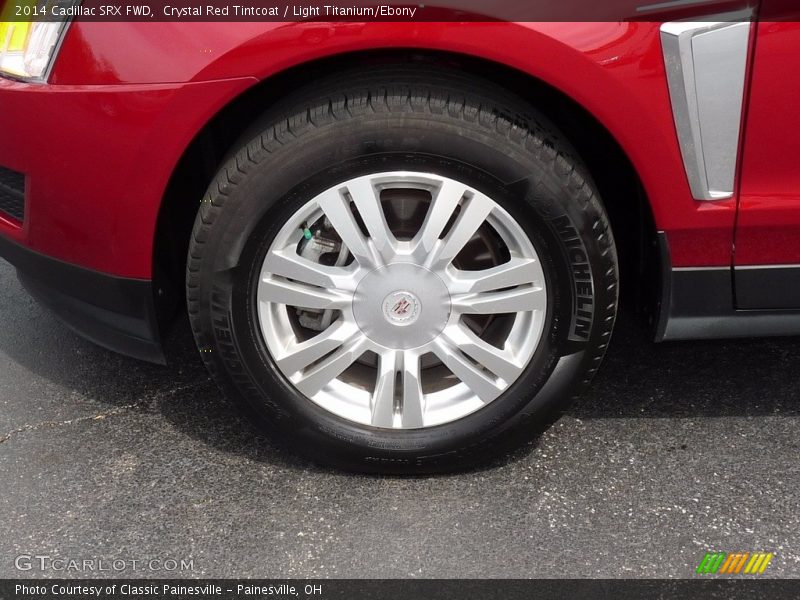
(96, 161)
(117, 313)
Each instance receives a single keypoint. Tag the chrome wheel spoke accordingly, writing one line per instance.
(477, 379)
(337, 209)
(287, 263)
(398, 366)
(474, 211)
(311, 381)
(500, 361)
(293, 293)
(299, 356)
(382, 409)
(440, 212)
(519, 299)
(402, 366)
(413, 400)
(517, 271)
(368, 203)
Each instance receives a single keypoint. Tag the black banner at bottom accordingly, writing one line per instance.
(391, 589)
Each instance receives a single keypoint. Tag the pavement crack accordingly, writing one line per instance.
(49, 424)
(146, 402)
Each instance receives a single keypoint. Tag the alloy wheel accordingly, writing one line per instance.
(401, 300)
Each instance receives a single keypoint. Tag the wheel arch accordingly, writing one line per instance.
(620, 185)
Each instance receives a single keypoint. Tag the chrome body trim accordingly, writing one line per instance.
(669, 5)
(706, 67)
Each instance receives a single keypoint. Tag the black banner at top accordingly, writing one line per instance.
(376, 10)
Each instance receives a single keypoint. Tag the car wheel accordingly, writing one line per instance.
(403, 271)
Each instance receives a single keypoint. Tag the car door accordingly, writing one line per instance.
(767, 239)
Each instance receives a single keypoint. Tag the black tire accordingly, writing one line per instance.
(395, 118)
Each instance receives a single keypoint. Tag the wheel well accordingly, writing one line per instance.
(619, 185)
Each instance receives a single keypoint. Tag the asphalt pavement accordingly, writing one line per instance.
(678, 449)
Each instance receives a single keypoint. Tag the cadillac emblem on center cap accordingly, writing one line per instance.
(401, 308)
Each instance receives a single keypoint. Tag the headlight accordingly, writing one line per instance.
(27, 49)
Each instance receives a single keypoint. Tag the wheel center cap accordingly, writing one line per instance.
(401, 308)
(403, 318)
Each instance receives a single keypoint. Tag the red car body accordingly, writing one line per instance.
(107, 142)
